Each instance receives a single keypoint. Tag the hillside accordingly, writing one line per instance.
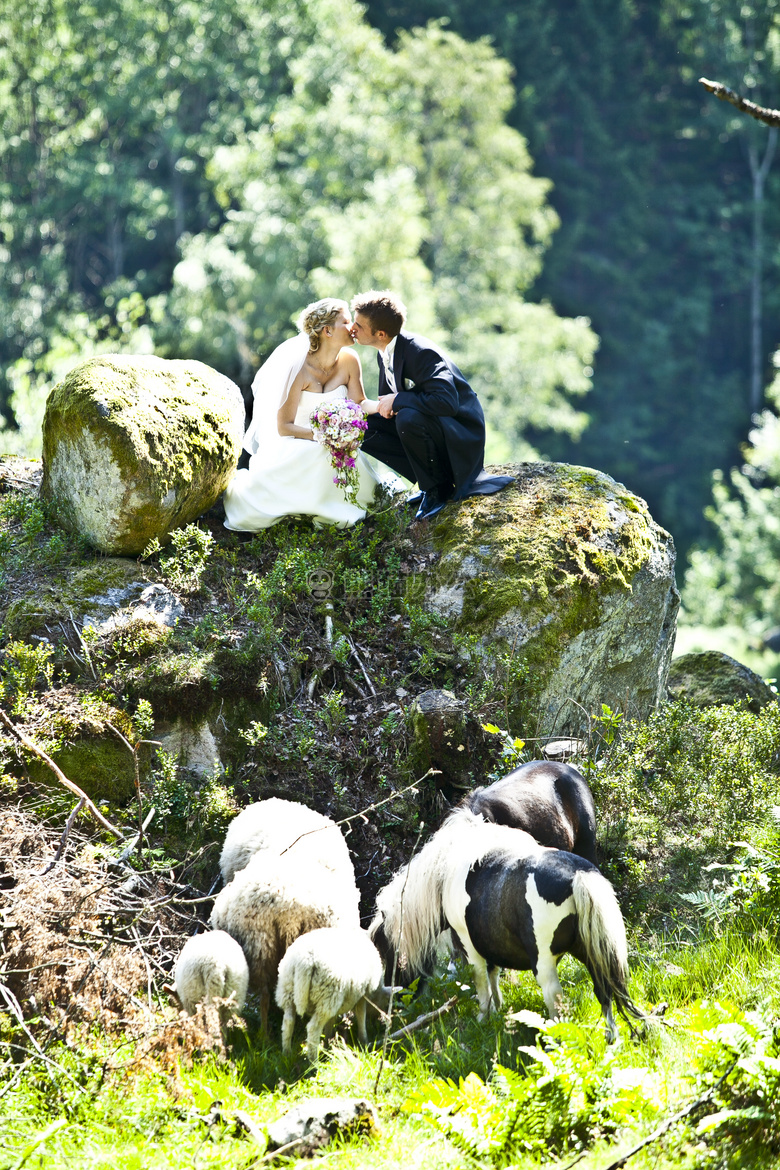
(312, 646)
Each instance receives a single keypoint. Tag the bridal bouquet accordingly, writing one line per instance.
(340, 427)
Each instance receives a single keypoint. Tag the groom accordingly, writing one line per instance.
(429, 426)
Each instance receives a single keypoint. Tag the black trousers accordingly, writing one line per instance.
(412, 444)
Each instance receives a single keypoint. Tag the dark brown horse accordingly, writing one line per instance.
(551, 801)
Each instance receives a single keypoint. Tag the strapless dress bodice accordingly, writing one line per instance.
(310, 400)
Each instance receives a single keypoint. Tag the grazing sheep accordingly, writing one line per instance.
(323, 975)
(271, 902)
(282, 827)
(211, 966)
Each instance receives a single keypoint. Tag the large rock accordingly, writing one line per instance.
(135, 446)
(447, 737)
(569, 584)
(710, 678)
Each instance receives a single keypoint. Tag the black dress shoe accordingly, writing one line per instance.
(488, 485)
(432, 504)
(414, 501)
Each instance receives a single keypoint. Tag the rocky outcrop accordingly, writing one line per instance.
(448, 738)
(135, 446)
(568, 584)
(712, 679)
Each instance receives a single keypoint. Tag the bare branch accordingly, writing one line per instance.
(421, 1021)
(63, 779)
(760, 113)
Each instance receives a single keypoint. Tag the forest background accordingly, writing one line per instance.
(592, 234)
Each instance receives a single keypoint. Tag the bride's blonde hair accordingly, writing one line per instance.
(316, 316)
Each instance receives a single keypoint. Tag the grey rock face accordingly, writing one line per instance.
(449, 739)
(566, 577)
(135, 446)
(312, 1123)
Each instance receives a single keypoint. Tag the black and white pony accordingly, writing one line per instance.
(549, 800)
(511, 903)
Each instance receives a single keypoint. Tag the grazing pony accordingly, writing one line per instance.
(511, 903)
(551, 801)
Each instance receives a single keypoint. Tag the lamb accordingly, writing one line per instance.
(324, 974)
(211, 966)
(274, 900)
(281, 826)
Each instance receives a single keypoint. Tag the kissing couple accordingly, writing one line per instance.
(427, 424)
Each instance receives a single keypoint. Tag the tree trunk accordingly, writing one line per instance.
(758, 173)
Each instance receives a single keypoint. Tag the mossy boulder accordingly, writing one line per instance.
(447, 737)
(712, 679)
(81, 737)
(135, 446)
(568, 583)
(85, 596)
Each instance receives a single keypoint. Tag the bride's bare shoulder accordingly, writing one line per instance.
(350, 359)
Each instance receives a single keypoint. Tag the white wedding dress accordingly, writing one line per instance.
(294, 477)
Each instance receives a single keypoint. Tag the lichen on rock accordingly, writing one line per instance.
(567, 570)
(710, 678)
(135, 446)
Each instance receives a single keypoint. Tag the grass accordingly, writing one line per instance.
(673, 796)
(114, 1113)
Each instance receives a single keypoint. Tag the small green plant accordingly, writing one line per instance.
(512, 751)
(609, 721)
(254, 734)
(183, 567)
(22, 668)
(570, 1092)
(333, 712)
(747, 889)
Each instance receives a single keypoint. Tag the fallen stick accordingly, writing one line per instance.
(670, 1121)
(63, 838)
(421, 1021)
(63, 779)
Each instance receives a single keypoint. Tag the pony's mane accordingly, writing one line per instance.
(411, 904)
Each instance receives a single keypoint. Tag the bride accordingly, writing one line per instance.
(289, 472)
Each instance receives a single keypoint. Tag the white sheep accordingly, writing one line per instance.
(281, 827)
(323, 975)
(274, 900)
(211, 966)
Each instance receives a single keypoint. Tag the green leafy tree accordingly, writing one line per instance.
(389, 168)
(735, 582)
(657, 226)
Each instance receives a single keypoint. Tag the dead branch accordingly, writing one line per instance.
(670, 1121)
(363, 670)
(421, 1021)
(63, 838)
(63, 779)
(136, 775)
(760, 113)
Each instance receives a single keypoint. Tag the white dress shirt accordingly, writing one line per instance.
(387, 361)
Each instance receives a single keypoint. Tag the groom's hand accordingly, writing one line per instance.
(386, 405)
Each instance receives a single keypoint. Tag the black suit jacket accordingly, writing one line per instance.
(428, 381)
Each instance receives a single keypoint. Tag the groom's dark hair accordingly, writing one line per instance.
(384, 310)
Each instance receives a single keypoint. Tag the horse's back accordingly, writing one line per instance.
(549, 800)
(518, 903)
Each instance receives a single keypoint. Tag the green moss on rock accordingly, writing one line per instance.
(713, 679)
(50, 610)
(567, 569)
(134, 446)
(77, 734)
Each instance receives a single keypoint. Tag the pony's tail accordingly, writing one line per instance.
(603, 936)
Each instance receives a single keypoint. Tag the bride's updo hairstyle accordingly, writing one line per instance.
(316, 316)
